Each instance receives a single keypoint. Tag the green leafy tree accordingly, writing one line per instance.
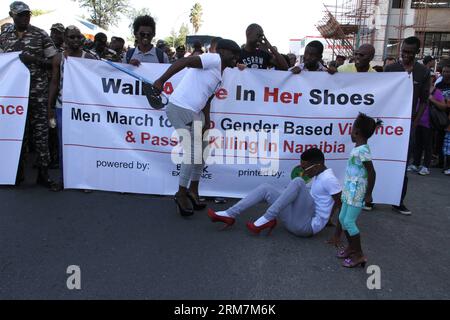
(178, 39)
(196, 17)
(39, 12)
(105, 13)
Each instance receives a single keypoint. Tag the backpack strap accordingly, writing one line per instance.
(130, 54)
(159, 55)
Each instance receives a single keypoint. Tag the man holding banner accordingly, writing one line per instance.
(37, 50)
(186, 112)
(311, 59)
(363, 56)
(73, 40)
(422, 82)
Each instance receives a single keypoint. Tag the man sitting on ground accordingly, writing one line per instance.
(304, 209)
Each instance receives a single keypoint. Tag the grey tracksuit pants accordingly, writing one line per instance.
(193, 144)
(294, 206)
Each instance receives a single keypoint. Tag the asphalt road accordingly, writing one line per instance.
(137, 247)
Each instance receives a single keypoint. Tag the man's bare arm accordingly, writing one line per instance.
(189, 62)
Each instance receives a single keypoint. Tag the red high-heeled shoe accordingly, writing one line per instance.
(256, 230)
(216, 218)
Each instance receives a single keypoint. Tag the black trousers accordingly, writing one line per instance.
(438, 143)
(423, 145)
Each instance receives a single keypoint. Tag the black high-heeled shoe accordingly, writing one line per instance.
(185, 212)
(196, 203)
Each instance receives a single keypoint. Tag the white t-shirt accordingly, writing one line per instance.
(324, 186)
(198, 85)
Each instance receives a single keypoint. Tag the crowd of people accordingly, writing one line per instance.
(303, 211)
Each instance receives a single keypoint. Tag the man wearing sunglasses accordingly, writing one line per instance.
(37, 53)
(73, 40)
(144, 28)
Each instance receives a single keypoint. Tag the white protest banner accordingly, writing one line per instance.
(263, 121)
(14, 91)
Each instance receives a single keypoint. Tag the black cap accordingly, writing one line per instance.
(18, 7)
(228, 45)
(161, 43)
(58, 27)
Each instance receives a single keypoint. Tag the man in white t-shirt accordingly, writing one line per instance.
(304, 210)
(188, 112)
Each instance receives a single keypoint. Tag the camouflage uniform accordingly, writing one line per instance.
(53, 141)
(112, 55)
(37, 43)
(5, 27)
(107, 54)
(58, 27)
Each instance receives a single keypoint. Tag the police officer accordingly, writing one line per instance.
(37, 52)
(57, 35)
(180, 52)
(101, 50)
(117, 45)
(5, 27)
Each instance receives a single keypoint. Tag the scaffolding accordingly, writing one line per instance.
(347, 24)
(420, 22)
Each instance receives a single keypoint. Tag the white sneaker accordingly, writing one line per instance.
(447, 172)
(412, 168)
(424, 171)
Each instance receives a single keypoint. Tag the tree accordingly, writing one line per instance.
(133, 14)
(39, 12)
(175, 40)
(196, 17)
(105, 13)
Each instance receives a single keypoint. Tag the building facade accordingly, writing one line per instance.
(385, 23)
